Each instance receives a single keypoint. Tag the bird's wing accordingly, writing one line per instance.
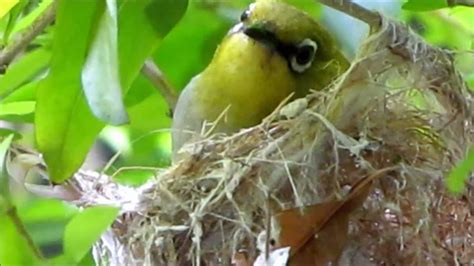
(187, 121)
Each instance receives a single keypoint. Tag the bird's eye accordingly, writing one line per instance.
(245, 15)
(303, 56)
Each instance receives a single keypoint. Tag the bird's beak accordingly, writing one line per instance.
(260, 33)
(256, 31)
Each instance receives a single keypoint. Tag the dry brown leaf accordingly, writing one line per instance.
(317, 234)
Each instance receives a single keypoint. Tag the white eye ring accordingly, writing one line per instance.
(307, 49)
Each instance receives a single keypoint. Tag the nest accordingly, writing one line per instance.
(402, 106)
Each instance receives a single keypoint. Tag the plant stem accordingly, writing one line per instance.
(12, 50)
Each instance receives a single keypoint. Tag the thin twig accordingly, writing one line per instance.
(157, 78)
(354, 10)
(452, 3)
(12, 213)
(11, 51)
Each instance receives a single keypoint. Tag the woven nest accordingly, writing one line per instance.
(401, 106)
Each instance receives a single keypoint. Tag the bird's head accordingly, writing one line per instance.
(310, 53)
(274, 51)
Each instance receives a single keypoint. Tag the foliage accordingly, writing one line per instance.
(80, 79)
(460, 174)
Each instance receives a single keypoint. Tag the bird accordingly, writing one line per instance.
(275, 51)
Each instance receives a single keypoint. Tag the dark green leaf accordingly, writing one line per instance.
(456, 180)
(424, 5)
(85, 229)
(100, 75)
(5, 132)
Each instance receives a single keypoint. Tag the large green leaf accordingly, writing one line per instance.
(100, 75)
(65, 127)
(85, 229)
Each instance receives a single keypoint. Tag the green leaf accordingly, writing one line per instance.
(85, 229)
(470, 81)
(100, 75)
(23, 70)
(65, 126)
(6, 6)
(24, 93)
(154, 18)
(17, 108)
(14, 14)
(28, 19)
(460, 173)
(5, 132)
(20, 112)
(424, 5)
(14, 249)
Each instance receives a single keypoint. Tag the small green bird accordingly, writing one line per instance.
(274, 51)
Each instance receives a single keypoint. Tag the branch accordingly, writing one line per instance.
(157, 78)
(9, 52)
(12, 213)
(354, 10)
(453, 3)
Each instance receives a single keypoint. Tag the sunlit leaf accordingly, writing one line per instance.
(424, 5)
(65, 126)
(26, 21)
(100, 75)
(23, 70)
(85, 229)
(21, 112)
(6, 5)
(23, 93)
(456, 180)
(14, 249)
(17, 108)
(15, 12)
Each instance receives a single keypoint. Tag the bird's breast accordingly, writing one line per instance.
(247, 77)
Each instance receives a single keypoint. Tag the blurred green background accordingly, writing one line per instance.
(144, 145)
